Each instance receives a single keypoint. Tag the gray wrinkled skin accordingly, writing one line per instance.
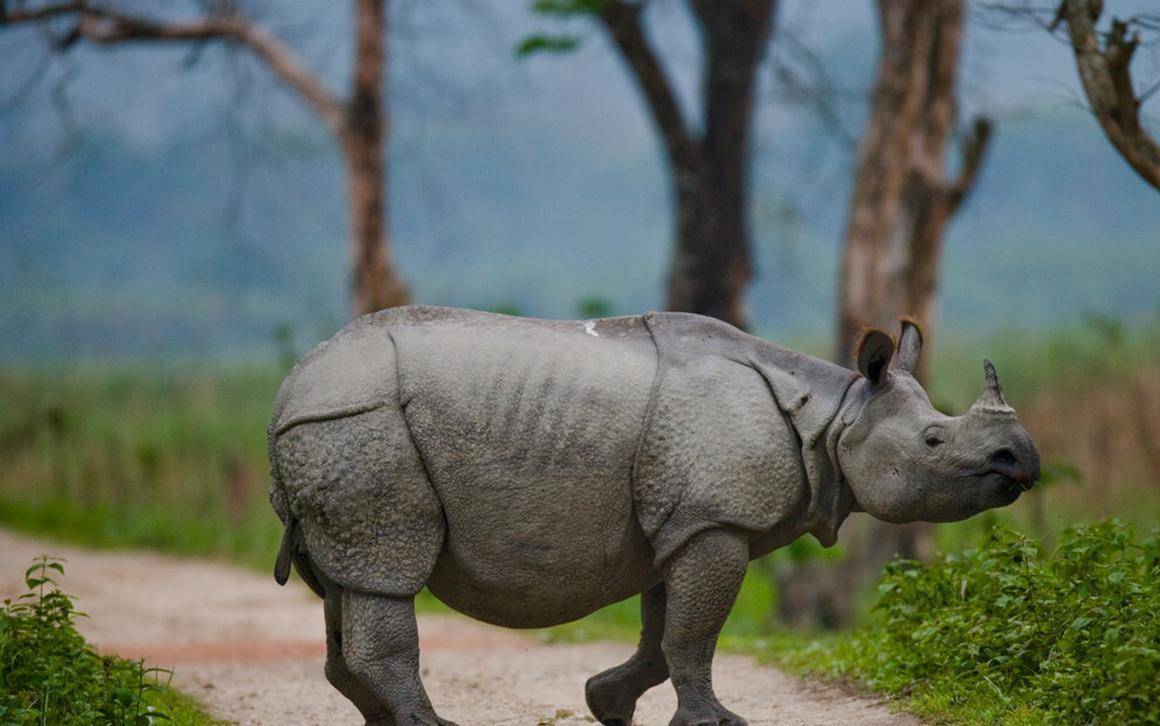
(530, 472)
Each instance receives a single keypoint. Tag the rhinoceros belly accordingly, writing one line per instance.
(528, 430)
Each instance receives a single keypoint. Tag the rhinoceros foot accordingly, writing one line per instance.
(706, 714)
(414, 720)
(612, 695)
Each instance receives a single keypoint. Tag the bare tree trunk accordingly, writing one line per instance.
(901, 207)
(872, 283)
(931, 204)
(899, 211)
(375, 284)
(711, 265)
(902, 199)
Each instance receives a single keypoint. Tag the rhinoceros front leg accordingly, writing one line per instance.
(612, 694)
(701, 581)
(380, 643)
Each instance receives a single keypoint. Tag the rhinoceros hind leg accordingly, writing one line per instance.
(375, 713)
(701, 582)
(380, 643)
(612, 694)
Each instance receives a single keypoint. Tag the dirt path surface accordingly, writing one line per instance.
(252, 652)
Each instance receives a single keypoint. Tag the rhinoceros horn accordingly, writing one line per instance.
(992, 398)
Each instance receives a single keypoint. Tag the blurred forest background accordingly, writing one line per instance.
(174, 234)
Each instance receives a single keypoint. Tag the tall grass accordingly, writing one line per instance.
(171, 459)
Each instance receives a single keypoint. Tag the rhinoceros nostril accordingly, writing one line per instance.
(1004, 458)
(1005, 462)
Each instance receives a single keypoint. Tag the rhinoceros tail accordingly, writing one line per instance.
(282, 563)
(282, 508)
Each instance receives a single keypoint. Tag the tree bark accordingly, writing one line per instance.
(711, 264)
(374, 282)
(899, 211)
(871, 280)
(1107, 81)
(931, 204)
(902, 200)
(900, 208)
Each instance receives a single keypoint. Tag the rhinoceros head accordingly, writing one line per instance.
(904, 461)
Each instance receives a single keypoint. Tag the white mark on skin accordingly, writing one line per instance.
(590, 328)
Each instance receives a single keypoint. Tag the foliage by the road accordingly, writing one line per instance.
(1004, 633)
(50, 675)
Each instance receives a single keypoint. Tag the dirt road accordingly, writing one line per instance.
(252, 652)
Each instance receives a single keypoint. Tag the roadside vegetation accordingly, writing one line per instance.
(1008, 633)
(50, 675)
(173, 458)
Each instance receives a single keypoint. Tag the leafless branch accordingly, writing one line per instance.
(103, 25)
(1104, 70)
(24, 88)
(623, 22)
(974, 149)
(804, 78)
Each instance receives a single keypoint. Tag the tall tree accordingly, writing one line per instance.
(1104, 61)
(708, 158)
(901, 204)
(358, 121)
(903, 199)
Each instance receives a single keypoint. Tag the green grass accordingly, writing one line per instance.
(1004, 633)
(49, 674)
(172, 459)
(1095, 351)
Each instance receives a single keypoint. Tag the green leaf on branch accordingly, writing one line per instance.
(547, 44)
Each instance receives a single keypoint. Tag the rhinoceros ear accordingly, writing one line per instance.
(873, 354)
(909, 345)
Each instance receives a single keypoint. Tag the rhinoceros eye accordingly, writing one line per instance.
(932, 437)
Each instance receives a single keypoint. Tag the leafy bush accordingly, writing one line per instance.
(50, 675)
(1004, 633)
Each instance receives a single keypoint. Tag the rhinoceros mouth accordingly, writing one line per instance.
(1006, 488)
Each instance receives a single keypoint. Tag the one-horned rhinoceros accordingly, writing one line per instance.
(529, 472)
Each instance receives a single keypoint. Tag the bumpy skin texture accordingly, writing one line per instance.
(530, 472)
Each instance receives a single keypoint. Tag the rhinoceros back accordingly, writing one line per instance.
(350, 373)
(529, 430)
(502, 446)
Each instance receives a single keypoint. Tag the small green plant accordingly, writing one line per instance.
(594, 306)
(1006, 634)
(50, 675)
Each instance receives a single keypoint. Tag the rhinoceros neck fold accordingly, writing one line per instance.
(812, 393)
(808, 391)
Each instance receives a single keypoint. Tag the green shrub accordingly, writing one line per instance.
(1003, 633)
(50, 675)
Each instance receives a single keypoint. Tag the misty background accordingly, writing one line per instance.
(147, 208)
